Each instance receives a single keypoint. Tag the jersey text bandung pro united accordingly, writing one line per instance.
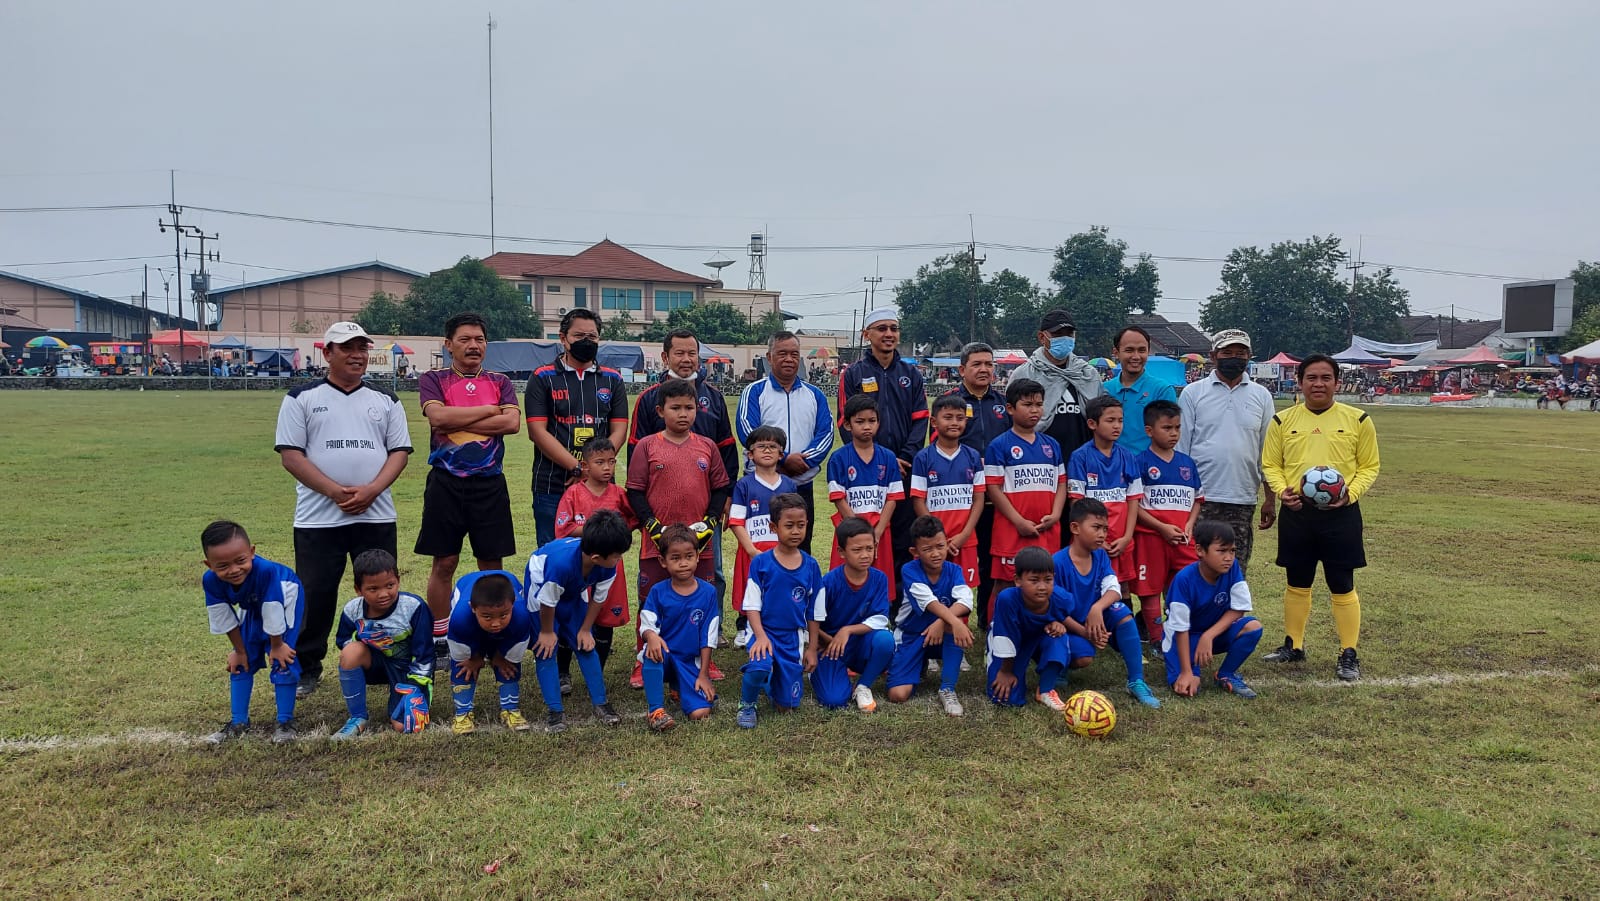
(1028, 474)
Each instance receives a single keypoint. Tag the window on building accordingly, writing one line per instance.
(580, 298)
(527, 292)
(552, 289)
(621, 299)
(667, 301)
(553, 336)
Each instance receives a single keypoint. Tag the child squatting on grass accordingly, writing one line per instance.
(386, 637)
(256, 603)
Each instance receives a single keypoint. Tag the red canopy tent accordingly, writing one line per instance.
(177, 337)
(1283, 359)
(1477, 357)
(1012, 359)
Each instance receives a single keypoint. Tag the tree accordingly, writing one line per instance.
(620, 327)
(1291, 297)
(1585, 328)
(713, 323)
(936, 305)
(1099, 289)
(770, 323)
(468, 286)
(1019, 304)
(1585, 303)
(384, 314)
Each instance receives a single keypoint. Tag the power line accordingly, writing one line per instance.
(75, 262)
(83, 209)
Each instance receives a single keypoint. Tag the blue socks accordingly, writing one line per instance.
(593, 676)
(549, 682)
(1127, 634)
(1049, 675)
(754, 683)
(1242, 647)
(655, 692)
(353, 684)
(880, 653)
(510, 692)
(239, 687)
(284, 695)
(950, 664)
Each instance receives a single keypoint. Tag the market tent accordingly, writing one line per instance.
(1477, 356)
(1589, 353)
(229, 343)
(1283, 359)
(944, 361)
(1012, 359)
(179, 338)
(1355, 356)
(275, 357)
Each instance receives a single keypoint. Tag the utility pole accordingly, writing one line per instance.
(491, 134)
(972, 293)
(1355, 285)
(200, 280)
(144, 303)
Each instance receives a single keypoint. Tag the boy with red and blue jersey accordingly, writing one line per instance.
(864, 480)
(1026, 480)
(1108, 472)
(947, 483)
(1164, 537)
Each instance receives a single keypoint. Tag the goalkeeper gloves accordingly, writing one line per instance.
(410, 711)
(652, 529)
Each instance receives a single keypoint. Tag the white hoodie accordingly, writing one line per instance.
(1084, 378)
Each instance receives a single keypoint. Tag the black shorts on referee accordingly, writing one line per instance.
(454, 507)
(1309, 536)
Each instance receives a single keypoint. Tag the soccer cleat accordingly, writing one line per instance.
(305, 688)
(605, 714)
(965, 666)
(865, 702)
(951, 703)
(660, 720)
(441, 653)
(284, 734)
(714, 672)
(556, 722)
(566, 684)
(636, 678)
(353, 727)
(513, 720)
(1235, 685)
(932, 667)
(1349, 668)
(228, 733)
(1288, 653)
(1051, 700)
(743, 637)
(1142, 693)
(463, 725)
(746, 717)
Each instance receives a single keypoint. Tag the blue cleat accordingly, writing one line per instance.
(1235, 685)
(747, 716)
(353, 726)
(1142, 693)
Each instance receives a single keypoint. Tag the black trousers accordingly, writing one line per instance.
(319, 559)
(985, 535)
(808, 493)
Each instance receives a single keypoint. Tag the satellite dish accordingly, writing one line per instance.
(720, 264)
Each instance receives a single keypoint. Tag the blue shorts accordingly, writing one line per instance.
(1082, 648)
(682, 671)
(1169, 647)
(911, 656)
(257, 644)
(1041, 652)
(569, 620)
(831, 683)
(785, 684)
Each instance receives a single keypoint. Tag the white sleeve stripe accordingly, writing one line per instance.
(1110, 583)
(962, 596)
(516, 652)
(1177, 617)
(819, 609)
(458, 651)
(1239, 597)
(648, 622)
(714, 632)
(549, 594)
(878, 621)
(921, 595)
(223, 619)
(752, 596)
(1001, 646)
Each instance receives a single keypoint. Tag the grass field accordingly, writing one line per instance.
(1465, 765)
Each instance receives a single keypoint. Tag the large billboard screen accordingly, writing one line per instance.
(1537, 309)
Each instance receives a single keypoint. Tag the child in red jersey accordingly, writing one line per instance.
(597, 491)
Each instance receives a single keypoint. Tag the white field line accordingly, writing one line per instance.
(163, 738)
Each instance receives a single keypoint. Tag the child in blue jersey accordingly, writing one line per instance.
(1029, 626)
(1098, 616)
(256, 603)
(681, 620)
(489, 623)
(849, 628)
(1208, 612)
(385, 636)
(934, 599)
(778, 601)
(750, 511)
(568, 580)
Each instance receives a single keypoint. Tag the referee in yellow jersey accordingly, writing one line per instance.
(1320, 432)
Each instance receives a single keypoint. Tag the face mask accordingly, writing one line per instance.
(584, 350)
(1231, 368)
(1061, 347)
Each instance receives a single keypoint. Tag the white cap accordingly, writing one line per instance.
(340, 332)
(882, 314)
(1230, 336)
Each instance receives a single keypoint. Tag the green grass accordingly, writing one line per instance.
(1484, 560)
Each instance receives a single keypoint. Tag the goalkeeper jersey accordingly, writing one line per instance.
(401, 639)
(1341, 436)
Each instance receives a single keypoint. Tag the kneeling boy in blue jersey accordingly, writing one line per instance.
(1099, 617)
(1208, 611)
(934, 599)
(1029, 625)
(489, 622)
(568, 581)
(849, 628)
(256, 603)
(778, 600)
(385, 636)
(681, 621)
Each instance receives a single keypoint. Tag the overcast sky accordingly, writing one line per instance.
(1456, 136)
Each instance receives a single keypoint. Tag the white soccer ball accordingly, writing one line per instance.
(1322, 486)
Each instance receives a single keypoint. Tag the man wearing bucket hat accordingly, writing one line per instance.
(1225, 419)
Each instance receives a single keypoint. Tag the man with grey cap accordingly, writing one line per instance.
(896, 384)
(345, 442)
(1225, 419)
(1068, 379)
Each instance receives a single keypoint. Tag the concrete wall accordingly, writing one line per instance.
(307, 304)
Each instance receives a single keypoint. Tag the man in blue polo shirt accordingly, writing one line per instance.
(896, 384)
(1136, 388)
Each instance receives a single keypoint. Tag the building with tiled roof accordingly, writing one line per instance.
(45, 305)
(613, 280)
(307, 302)
(1450, 332)
(1173, 339)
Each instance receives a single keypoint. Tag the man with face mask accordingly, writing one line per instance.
(569, 402)
(1225, 419)
(1068, 379)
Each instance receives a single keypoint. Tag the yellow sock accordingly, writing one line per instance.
(1347, 618)
(1296, 613)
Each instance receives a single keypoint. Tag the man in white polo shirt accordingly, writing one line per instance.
(1225, 419)
(345, 442)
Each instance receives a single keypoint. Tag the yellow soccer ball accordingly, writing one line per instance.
(1090, 714)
